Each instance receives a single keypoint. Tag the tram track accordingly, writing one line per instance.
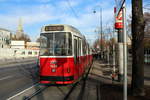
(42, 89)
(80, 90)
(35, 93)
(65, 90)
(98, 91)
(67, 94)
(83, 84)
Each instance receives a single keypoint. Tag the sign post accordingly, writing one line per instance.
(121, 7)
(125, 52)
(119, 28)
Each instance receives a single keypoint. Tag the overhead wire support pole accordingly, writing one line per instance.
(125, 52)
(100, 29)
(101, 32)
(114, 60)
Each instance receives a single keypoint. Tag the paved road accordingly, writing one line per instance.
(17, 77)
(84, 90)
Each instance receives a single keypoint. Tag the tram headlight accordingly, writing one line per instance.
(53, 70)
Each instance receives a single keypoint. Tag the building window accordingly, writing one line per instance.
(23, 53)
(29, 53)
(35, 53)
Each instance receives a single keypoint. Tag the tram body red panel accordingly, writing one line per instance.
(61, 69)
(65, 68)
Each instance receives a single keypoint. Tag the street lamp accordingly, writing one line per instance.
(100, 22)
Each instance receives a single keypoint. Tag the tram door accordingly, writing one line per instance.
(79, 57)
(76, 57)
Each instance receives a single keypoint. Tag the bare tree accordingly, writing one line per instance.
(38, 39)
(137, 48)
(147, 23)
(24, 37)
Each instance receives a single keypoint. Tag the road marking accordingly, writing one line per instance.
(22, 92)
(5, 78)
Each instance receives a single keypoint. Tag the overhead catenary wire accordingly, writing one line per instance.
(147, 6)
(73, 11)
(75, 14)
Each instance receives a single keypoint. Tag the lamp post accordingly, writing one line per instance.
(101, 32)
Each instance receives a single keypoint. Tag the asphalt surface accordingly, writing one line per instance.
(15, 77)
(18, 76)
(85, 89)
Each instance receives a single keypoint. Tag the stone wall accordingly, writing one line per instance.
(11, 53)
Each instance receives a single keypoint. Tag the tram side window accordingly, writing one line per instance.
(84, 47)
(79, 47)
(69, 44)
(75, 50)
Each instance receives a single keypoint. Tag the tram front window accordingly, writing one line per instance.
(56, 44)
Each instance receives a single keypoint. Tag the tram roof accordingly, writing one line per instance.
(66, 28)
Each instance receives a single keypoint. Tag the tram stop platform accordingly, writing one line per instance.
(106, 89)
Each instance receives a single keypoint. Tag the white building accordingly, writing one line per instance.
(17, 44)
(33, 45)
(4, 38)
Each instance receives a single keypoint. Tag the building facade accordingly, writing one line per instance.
(33, 45)
(5, 38)
(18, 44)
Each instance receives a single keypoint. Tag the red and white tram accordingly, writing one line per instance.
(64, 54)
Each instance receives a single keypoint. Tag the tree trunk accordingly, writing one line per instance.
(137, 48)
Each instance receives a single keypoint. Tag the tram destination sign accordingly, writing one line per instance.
(119, 5)
(54, 28)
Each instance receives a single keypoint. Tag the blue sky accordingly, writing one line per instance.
(36, 13)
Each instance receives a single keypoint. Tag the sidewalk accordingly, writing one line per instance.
(100, 72)
(5, 61)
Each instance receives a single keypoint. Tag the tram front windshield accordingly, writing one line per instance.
(56, 44)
